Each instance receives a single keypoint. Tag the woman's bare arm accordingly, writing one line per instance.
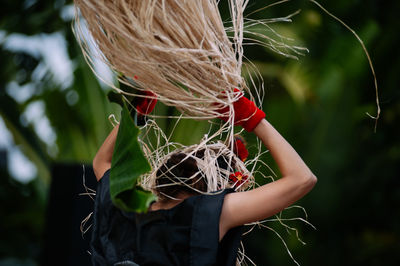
(257, 204)
(102, 160)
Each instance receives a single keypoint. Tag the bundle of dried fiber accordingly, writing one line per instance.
(177, 49)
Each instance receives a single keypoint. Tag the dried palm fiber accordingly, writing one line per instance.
(180, 50)
(212, 150)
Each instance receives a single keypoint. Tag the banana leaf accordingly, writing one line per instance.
(128, 163)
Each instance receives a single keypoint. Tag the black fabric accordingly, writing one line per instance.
(186, 234)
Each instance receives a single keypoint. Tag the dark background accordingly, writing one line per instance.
(317, 102)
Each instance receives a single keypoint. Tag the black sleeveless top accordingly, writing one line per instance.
(186, 234)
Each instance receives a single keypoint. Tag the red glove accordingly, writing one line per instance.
(145, 105)
(247, 114)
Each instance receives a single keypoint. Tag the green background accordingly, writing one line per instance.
(318, 103)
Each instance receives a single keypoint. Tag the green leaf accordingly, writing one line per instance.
(128, 163)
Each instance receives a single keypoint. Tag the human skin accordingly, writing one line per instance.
(102, 160)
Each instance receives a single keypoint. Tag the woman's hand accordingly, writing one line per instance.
(247, 114)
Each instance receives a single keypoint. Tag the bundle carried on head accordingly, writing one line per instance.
(177, 49)
(198, 168)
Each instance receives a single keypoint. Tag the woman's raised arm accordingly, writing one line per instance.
(102, 160)
(257, 204)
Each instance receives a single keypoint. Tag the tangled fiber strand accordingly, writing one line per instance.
(371, 65)
(91, 193)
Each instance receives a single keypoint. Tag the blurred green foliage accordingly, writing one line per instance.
(318, 103)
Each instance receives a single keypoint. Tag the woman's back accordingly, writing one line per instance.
(186, 234)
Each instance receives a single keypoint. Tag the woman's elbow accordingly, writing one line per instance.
(95, 165)
(313, 180)
(96, 162)
(99, 167)
(309, 181)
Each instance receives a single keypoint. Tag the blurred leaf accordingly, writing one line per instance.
(297, 81)
(115, 97)
(25, 137)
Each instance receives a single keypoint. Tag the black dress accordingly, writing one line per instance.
(186, 234)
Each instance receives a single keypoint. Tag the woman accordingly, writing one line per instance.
(185, 226)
